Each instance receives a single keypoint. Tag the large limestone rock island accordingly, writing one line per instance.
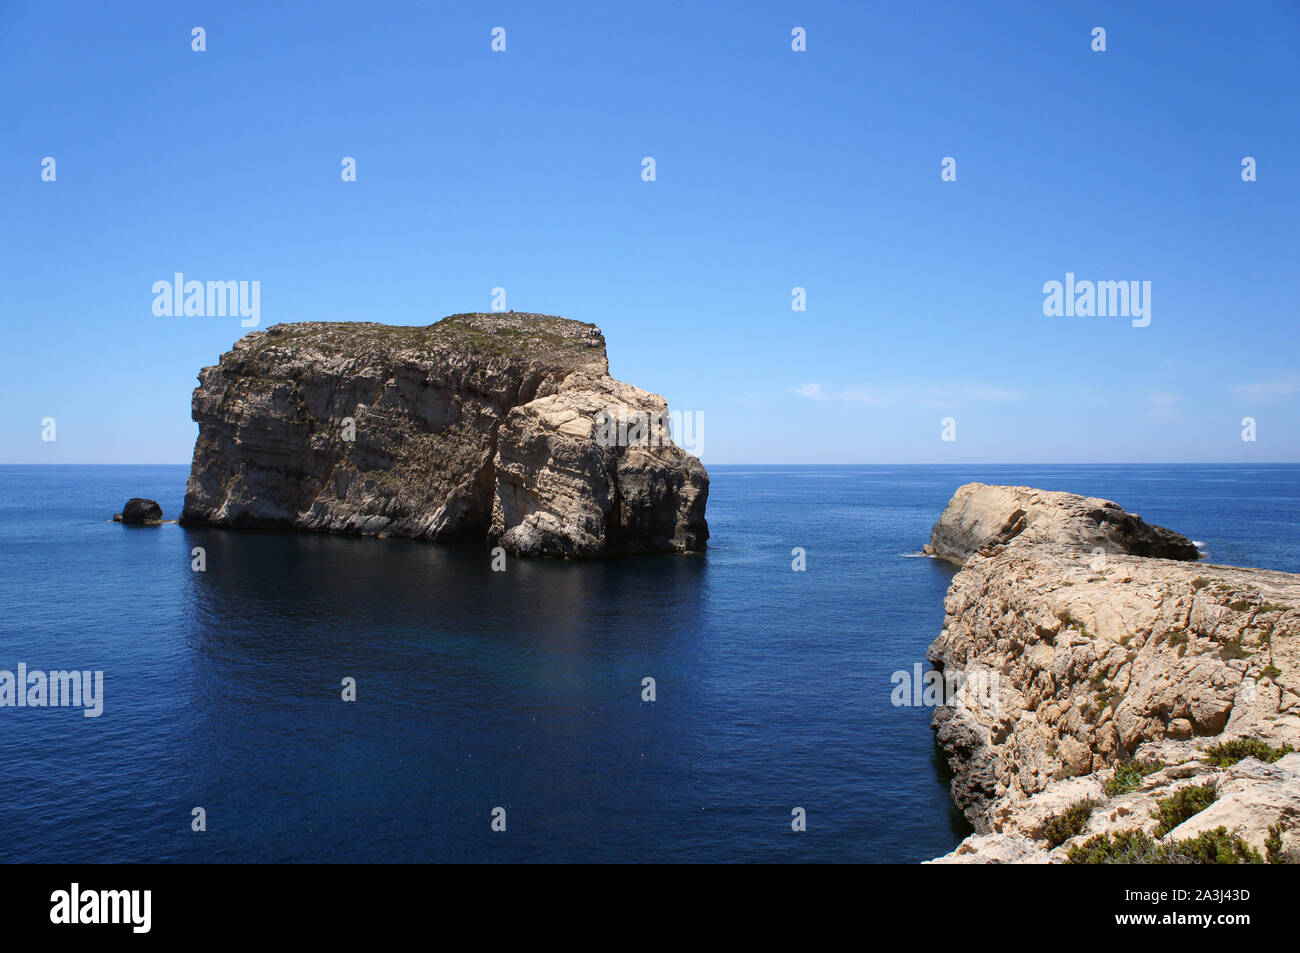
(481, 426)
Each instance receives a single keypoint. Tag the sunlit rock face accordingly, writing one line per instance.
(481, 426)
(1075, 657)
(980, 515)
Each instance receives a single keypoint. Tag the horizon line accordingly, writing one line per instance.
(1042, 463)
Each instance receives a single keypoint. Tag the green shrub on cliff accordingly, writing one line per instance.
(1064, 826)
(1233, 649)
(1187, 802)
(1273, 844)
(1227, 753)
(1134, 847)
(1128, 776)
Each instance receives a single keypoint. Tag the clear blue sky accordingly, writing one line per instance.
(775, 169)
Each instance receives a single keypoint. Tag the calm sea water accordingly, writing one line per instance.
(519, 689)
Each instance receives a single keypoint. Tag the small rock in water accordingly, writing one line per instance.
(140, 512)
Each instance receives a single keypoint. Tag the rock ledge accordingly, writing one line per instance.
(980, 515)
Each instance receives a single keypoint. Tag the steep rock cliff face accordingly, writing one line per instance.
(1073, 664)
(482, 426)
(980, 515)
(1095, 657)
(1078, 654)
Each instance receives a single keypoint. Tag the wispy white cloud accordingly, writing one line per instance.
(974, 393)
(1271, 390)
(1163, 404)
(927, 394)
(1087, 395)
(872, 395)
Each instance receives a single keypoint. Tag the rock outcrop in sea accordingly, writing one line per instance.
(1097, 689)
(502, 427)
(140, 512)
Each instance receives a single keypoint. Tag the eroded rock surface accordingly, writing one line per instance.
(482, 426)
(980, 515)
(1085, 662)
(1255, 801)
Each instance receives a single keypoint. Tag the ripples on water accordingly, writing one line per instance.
(520, 689)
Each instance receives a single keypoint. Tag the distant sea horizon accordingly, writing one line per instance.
(520, 690)
(707, 463)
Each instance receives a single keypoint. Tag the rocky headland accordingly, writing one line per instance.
(979, 515)
(1130, 704)
(481, 427)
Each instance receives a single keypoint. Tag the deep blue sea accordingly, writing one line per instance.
(521, 689)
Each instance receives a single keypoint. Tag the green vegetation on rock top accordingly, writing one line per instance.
(1181, 805)
(509, 334)
(1128, 776)
(1227, 753)
(1069, 824)
(1134, 847)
